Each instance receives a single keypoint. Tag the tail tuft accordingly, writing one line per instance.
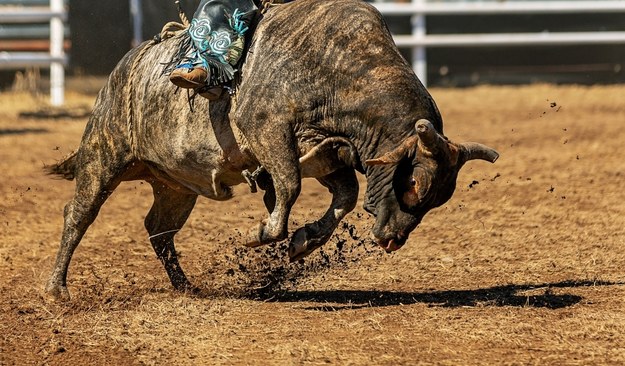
(65, 168)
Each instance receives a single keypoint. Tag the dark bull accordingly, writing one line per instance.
(324, 93)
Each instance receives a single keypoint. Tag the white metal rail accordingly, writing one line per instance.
(55, 59)
(501, 7)
(419, 40)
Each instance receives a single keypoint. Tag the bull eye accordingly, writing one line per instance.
(411, 195)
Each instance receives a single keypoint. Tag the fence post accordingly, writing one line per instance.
(136, 12)
(57, 71)
(419, 53)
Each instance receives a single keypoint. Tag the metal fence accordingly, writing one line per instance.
(54, 13)
(419, 40)
(31, 12)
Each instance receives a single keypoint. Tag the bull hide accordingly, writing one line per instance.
(324, 93)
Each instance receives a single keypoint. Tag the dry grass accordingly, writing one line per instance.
(525, 267)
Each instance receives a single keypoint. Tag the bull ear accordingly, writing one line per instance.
(474, 150)
(394, 156)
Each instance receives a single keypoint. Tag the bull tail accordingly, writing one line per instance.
(65, 168)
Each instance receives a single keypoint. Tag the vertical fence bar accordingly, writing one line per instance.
(57, 71)
(137, 22)
(419, 53)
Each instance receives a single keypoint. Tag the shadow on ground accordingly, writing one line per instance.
(21, 131)
(509, 295)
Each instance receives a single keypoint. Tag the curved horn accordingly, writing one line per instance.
(427, 134)
(475, 150)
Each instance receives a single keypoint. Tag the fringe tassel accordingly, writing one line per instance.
(179, 56)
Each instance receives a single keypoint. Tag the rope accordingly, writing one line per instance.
(182, 15)
(171, 29)
(266, 4)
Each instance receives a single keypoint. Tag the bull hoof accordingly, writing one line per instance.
(57, 293)
(180, 282)
(254, 236)
(300, 246)
(187, 288)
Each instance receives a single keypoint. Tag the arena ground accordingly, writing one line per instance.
(524, 265)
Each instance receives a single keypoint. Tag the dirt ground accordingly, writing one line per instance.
(524, 265)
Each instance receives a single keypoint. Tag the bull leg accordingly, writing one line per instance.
(168, 214)
(343, 186)
(92, 190)
(285, 178)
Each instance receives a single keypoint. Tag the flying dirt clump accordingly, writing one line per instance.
(265, 272)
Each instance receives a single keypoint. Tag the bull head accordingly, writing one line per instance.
(426, 168)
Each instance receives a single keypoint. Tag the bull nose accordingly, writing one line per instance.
(390, 244)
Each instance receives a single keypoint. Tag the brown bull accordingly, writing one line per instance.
(324, 93)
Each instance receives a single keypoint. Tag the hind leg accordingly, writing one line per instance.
(93, 187)
(168, 214)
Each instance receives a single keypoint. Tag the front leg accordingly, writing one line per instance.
(276, 150)
(343, 186)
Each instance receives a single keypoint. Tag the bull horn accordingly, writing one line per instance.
(475, 150)
(427, 134)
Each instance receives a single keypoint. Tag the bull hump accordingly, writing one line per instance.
(328, 28)
(325, 51)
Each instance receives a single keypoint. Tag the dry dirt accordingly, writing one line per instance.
(524, 265)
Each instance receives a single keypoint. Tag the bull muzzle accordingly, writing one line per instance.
(391, 244)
